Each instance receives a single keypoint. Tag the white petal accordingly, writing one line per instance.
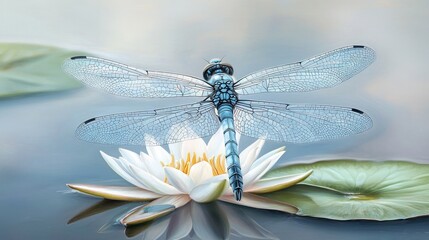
(261, 166)
(277, 183)
(273, 160)
(208, 192)
(216, 144)
(267, 156)
(154, 183)
(118, 168)
(132, 157)
(158, 153)
(179, 180)
(218, 178)
(197, 146)
(155, 209)
(180, 224)
(255, 201)
(115, 192)
(246, 159)
(177, 200)
(176, 150)
(125, 165)
(153, 166)
(144, 214)
(249, 155)
(253, 174)
(200, 172)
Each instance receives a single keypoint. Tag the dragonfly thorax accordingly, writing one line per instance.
(224, 92)
(217, 66)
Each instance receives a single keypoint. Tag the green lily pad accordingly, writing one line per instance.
(26, 68)
(352, 190)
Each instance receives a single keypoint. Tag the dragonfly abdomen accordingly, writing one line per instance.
(225, 112)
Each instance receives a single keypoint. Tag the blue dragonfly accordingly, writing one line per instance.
(222, 104)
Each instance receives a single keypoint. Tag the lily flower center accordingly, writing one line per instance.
(216, 162)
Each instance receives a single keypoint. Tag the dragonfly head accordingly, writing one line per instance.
(217, 66)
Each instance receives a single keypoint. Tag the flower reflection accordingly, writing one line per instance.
(213, 220)
(101, 206)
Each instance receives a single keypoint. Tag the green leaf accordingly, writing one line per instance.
(26, 68)
(351, 189)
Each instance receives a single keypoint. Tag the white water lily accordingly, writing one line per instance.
(193, 170)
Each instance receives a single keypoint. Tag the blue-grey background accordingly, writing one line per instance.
(39, 153)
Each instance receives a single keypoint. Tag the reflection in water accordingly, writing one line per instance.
(99, 207)
(220, 220)
(214, 220)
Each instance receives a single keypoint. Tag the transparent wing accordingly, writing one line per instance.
(326, 70)
(155, 127)
(298, 123)
(126, 81)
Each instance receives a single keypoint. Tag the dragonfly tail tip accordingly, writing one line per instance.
(238, 193)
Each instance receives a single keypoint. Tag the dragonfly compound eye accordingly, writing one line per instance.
(213, 68)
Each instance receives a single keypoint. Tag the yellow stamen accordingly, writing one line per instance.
(188, 168)
(194, 158)
(214, 169)
(184, 165)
